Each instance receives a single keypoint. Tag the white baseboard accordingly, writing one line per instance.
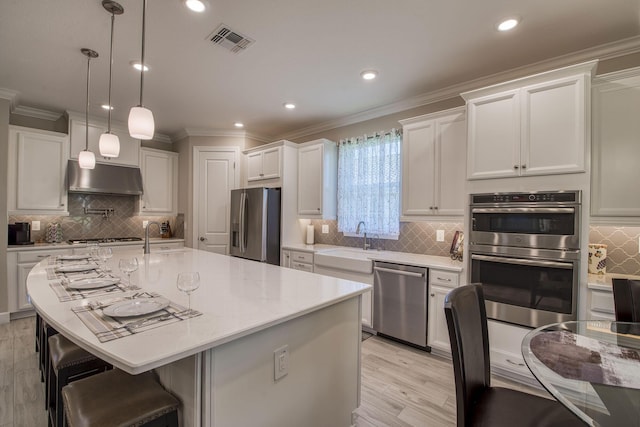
(5, 317)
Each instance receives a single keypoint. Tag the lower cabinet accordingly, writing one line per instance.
(440, 284)
(600, 304)
(297, 260)
(505, 348)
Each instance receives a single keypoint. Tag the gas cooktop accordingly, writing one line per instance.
(105, 240)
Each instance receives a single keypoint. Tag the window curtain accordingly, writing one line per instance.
(369, 183)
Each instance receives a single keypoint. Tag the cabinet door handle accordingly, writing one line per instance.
(430, 207)
(516, 166)
(318, 209)
(433, 295)
(523, 166)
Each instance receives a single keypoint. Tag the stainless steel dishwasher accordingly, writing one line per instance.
(400, 302)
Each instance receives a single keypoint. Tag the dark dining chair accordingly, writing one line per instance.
(477, 402)
(626, 299)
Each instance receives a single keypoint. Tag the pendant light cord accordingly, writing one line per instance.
(113, 18)
(144, 14)
(86, 116)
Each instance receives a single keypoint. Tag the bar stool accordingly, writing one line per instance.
(68, 362)
(46, 331)
(115, 398)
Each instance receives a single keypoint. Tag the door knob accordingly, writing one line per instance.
(202, 239)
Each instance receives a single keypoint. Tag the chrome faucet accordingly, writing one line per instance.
(365, 245)
(147, 248)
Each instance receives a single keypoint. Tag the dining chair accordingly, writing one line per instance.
(477, 402)
(626, 299)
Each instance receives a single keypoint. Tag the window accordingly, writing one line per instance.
(369, 184)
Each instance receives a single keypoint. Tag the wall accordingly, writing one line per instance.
(4, 152)
(123, 223)
(622, 247)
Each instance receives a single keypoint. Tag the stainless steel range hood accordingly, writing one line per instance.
(104, 179)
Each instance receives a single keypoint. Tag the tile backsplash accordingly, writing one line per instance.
(415, 237)
(622, 247)
(124, 222)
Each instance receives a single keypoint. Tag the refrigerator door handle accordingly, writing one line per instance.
(243, 246)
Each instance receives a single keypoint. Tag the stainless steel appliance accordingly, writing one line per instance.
(525, 252)
(20, 233)
(400, 302)
(255, 224)
(104, 179)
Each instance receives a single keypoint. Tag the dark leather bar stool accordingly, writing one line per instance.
(626, 299)
(115, 398)
(68, 362)
(46, 331)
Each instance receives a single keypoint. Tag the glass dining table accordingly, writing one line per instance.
(591, 367)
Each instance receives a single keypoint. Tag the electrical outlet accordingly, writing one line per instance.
(144, 224)
(35, 225)
(280, 362)
(440, 235)
(325, 229)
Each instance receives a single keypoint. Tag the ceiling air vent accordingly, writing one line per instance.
(229, 39)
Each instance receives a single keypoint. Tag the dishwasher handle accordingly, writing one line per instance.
(399, 272)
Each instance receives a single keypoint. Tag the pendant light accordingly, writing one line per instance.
(86, 158)
(109, 143)
(141, 125)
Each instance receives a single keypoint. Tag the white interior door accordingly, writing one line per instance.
(215, 175)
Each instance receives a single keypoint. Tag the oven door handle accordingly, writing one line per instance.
(521, 261)
(523, 210)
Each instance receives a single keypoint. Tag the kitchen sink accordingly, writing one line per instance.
(344, 259)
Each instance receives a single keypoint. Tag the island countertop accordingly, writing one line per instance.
(237, 298)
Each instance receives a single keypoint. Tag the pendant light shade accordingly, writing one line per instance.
(109, 143)
(141, 124)
(87, 160)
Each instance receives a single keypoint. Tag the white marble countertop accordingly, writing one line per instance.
(67, 245)
(419, 260)
(237, 297)
(602, 282)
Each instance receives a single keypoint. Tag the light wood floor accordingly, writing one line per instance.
(401, 386)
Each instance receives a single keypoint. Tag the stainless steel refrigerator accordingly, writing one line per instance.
(255, 224)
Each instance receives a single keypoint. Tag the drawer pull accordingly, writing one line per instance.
(515, 363)
(443, 279)
(43, 256)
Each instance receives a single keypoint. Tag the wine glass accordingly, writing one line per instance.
(93, 249)
(188, 282)
(105, 253)
(128, 266)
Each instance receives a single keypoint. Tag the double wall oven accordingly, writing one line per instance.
(525, 252)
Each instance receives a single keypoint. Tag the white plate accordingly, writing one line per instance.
(75, 268)
(136, 307)
(77, 257)
(93, 283)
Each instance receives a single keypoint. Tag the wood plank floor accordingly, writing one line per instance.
(401, 386)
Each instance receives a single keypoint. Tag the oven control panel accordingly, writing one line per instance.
(534, 197)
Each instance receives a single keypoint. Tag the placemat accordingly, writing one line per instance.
(107, 328)
(64, 293)
(587, 359)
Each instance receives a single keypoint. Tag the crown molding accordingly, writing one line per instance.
(601, 52)
(37, 113)
(9, 95)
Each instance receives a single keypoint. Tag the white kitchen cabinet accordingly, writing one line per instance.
(318, 179)
(129, 147)
(264, 164)
(505, 352)
(616, 146)
(536, 125)
(297, 260)
(285, 259)
(440, 284)
(37, 165)
(160, 182)
(433, 165)
(19, 264)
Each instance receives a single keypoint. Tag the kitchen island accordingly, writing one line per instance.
(222, 364)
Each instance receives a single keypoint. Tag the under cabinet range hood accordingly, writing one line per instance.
(104, 179)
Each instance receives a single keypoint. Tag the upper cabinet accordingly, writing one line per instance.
(160, 182)
(264, 164)
(433, 165)
(616, 146)
(318, 179)
(129, 147)
(536, 125)
(37, 167)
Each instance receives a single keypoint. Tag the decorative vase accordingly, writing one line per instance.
(597, 258)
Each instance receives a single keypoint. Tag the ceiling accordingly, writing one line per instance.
(307, 52)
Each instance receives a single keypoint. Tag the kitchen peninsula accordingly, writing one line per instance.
(222, 364)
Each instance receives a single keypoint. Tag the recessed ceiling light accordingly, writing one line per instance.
(195, 5)
(507, 24)
(138, 66)
(289, 105)
(369, 74)
(238, 125)
(106, 107)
